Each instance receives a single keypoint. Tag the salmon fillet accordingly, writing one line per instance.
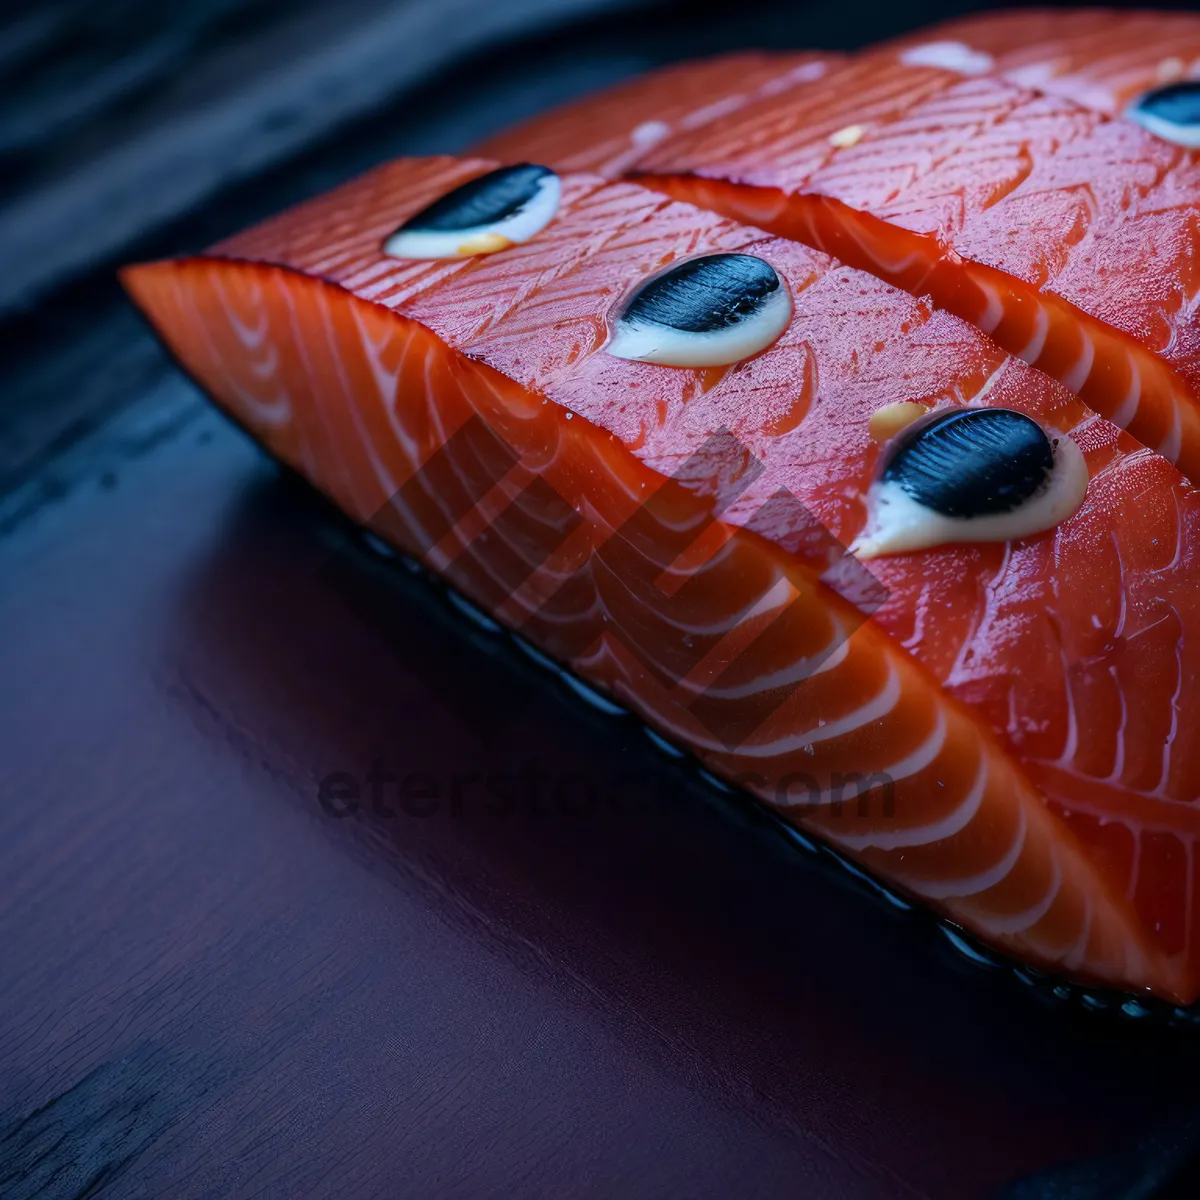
(999, 730)
(991, 687)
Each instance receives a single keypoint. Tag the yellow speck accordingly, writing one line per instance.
(887, 421)
(484, 243)
(848, 136)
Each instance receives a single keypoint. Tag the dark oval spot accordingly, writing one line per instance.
(1178, 103)
(704, 294)
(971, 462)
(482, 201)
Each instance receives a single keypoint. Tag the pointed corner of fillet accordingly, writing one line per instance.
(143, 284)
(133, 277)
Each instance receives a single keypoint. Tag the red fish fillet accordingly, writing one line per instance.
(1000, 730)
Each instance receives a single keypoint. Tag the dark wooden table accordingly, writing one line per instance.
(619, 985)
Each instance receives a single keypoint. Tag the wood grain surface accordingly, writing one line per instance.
(605, 982)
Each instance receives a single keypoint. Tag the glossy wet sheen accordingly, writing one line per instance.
(489, 198)
(971, 463)
(704, 295)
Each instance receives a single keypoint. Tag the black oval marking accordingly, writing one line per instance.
(1178, 103)
(971, 462)
(482, 201)
(703, 295)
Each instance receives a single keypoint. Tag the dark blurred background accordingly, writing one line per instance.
(208, 988)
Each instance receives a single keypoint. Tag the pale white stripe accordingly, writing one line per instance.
(794, 674)
(361, 510)
(251, 338)
(973, 885)
(875, 709)
(1171, 447)
(1027, 918)
(990, 382)
(1133, 395)
(1075, 957)
(923, 835)
(1077, 376)
(994, 313)
(387, 383)
(1119, 753)
(265, 368)
(918, 760)
(1033, 348)
(353, 405)
(873, 252)
(1173, 732)
(1071, 744)
(719, 626)
(274, 413)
